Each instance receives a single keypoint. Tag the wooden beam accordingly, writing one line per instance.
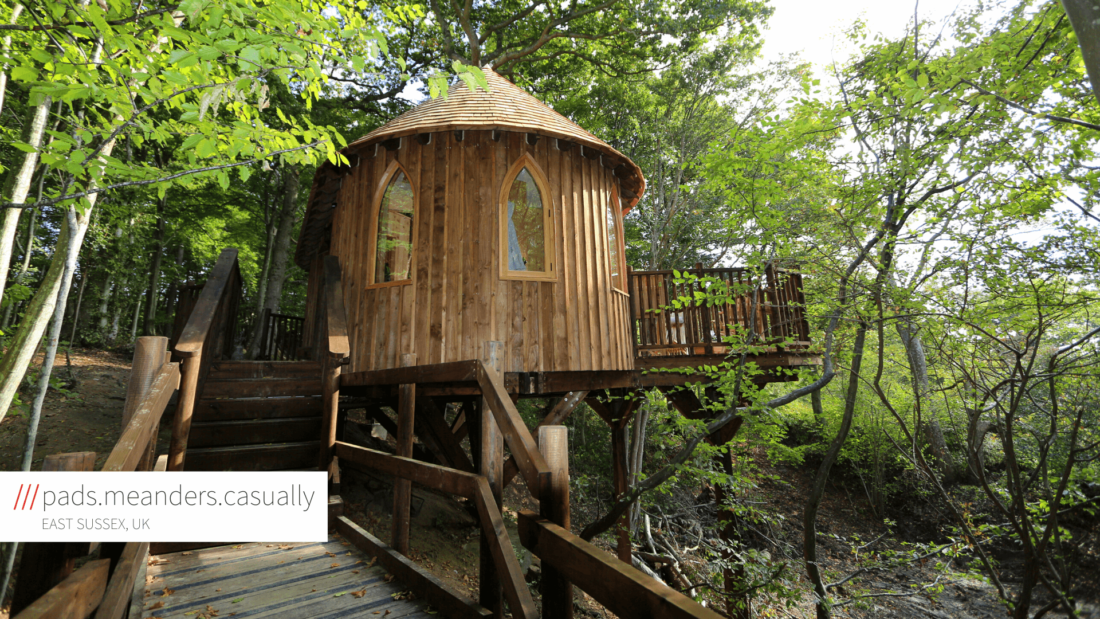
(559, 412)
(425, 585)
(452, 372)
(620, 588)
(202, 316)
(402, 488)
(503, 556)
(131, 446)
(487, 446)
(120, 588)
(335, 318)
(75, 597)
(433, 421)
(557, 591)
(516, 434)
(432, 476)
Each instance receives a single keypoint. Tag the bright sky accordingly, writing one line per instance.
(810, 26)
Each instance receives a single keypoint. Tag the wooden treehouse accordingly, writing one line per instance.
(469, 256)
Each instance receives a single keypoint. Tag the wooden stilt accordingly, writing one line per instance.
(619, 473)
(557, 591)
(490, 463)
(402, 488)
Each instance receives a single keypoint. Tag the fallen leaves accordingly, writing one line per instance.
(156, 606)
(359, 594)
(167, 592)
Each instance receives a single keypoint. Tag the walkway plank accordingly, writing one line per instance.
(331, 580)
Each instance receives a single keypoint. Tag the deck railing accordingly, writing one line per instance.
(48, 588)
(697, 312)
(208, 335)
(281, 338)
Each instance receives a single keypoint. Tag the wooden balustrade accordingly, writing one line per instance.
(208, 335)
(47, 586)
(673, 315)
(337, 351)
(282, 336)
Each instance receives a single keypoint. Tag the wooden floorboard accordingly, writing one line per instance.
(265, 581)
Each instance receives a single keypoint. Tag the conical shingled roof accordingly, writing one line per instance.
(504, 107)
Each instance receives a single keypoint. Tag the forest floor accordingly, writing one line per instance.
(444, 536)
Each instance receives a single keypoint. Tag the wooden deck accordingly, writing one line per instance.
(308, 580)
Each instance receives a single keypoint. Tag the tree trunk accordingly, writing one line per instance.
(16, 188)
(104, 301)
(280, 250)
(76, 310)
(15, 11)
(150, 326)
(637, 457)
(918, 367)
(809, 515)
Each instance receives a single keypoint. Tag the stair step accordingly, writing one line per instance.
(228, 369)
(257, 408)
(253, 431)
(275, 457)
(261, 387)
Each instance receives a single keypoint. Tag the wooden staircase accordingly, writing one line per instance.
(257, 416)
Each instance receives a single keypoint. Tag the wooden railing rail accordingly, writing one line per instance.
(208, 335)
(473, 487)
(772, 305)
(623, 590)
(337, 354)
(106, 586)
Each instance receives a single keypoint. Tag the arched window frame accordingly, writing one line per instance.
(619, 251)
(376, 208)
(550, 274)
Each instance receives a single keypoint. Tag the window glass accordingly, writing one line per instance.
(526, 233)
(613, 236)
(395, 225)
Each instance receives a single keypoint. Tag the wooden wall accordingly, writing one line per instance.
(456, 299)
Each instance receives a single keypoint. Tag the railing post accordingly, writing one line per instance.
(330, 406)
(490, 463)
(402, 488)
(149, 357)
(632, 298)
(190, 368)
(557, 591)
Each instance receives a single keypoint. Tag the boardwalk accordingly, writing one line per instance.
(309, 580)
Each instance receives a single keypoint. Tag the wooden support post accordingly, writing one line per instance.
(149, 356)
(490, 464)
(330, 405)
(46, 564)
(402, 488)
(557, 591)
(190, 368)
(619, 469)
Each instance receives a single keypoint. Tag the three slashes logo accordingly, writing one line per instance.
(26, 495)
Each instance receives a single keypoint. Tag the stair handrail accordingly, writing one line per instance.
(207, 335)
(337, 349)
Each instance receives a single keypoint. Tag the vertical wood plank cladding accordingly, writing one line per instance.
(440, 235)
(561, 292)
(472, 224)
(409, 156)
(589, 277)
(452, 317)
(485, 291)
(576, 189)
(457, 299)
(502, 312)
(425, 242)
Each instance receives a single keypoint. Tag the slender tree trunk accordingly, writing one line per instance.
(15, 11)
(18, 185)
(150, 326)
(637, 457)
(13, 366)
(280, 250)
(137, 318)
(813, 502)
(76, 310)
(104, 301)
(9, 312)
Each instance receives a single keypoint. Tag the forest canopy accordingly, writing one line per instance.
(938, 191)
